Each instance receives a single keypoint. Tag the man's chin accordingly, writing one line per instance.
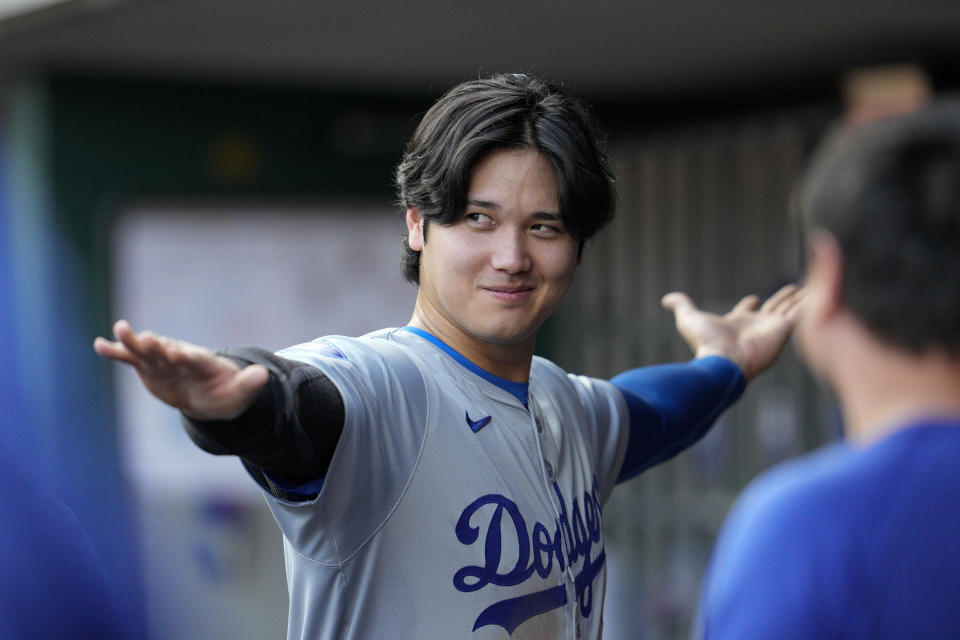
(507, 337)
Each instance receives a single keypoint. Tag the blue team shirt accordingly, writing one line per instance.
(845, 543)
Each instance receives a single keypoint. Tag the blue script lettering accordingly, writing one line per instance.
(575, 534)
(468, 534)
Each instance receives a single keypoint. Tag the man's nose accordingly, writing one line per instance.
(510, 253)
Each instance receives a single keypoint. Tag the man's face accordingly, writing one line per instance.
(498, 273)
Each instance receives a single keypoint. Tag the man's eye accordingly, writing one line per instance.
(481, 218)
(547, 228)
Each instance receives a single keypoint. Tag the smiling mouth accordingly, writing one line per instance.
(509, 294)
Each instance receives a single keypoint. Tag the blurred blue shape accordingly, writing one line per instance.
(12, 415)
(53, 584)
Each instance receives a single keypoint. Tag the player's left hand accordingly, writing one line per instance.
(751, 335)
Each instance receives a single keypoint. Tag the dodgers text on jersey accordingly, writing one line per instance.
(571, 545)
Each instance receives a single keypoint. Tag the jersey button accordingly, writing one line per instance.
(549, 469)
(539, 427)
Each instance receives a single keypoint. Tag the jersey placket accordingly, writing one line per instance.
(549, 458)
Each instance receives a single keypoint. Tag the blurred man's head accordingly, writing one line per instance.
(881, 203)
(507, 111)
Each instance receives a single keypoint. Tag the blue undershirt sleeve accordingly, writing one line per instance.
(672, 406)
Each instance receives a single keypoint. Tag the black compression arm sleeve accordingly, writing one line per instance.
(292, 427)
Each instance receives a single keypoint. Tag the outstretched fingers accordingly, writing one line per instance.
(747, 303)
(125, 336)
(193, 358)
(114, 351)
(677, 302)
(784, 300)
(126, 348)
(792, 306)
(154, 349)
(144, 351)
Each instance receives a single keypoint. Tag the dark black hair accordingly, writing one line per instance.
(505, 111)
(889, 192)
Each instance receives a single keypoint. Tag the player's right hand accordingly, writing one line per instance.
(194, 379)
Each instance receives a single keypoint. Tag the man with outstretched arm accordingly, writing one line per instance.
(439, 480)
(860, 539)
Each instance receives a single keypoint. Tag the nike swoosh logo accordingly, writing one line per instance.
(476, 425)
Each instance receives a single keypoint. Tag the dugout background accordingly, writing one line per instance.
(711, 115)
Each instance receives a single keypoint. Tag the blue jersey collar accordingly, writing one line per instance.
(516, 389)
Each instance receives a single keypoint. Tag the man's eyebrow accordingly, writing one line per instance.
(543, 215)
(484, 204)
(539, 215)
(546, 215)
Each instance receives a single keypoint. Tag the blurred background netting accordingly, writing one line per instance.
(221, 171)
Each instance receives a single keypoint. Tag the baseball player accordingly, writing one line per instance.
(437, 480)
(859, 540)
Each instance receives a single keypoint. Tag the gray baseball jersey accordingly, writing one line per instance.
(451, 509)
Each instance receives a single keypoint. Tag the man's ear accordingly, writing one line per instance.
(825, 272)
(414, 229)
